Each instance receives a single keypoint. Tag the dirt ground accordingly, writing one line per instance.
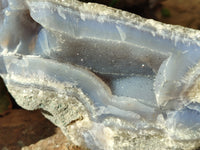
(20, 128)
(181, 12)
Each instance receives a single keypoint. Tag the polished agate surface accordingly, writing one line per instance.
(108, 78)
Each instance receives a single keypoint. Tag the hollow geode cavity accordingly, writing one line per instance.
(109, 79)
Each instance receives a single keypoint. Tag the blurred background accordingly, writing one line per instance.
(20, 128)
(178, 12)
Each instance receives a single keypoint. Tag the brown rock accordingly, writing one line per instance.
(29, 130)
(55, 142)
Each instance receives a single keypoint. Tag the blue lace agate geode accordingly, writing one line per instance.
(109, 79)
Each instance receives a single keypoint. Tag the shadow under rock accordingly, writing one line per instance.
(6, 96)
(21, 128)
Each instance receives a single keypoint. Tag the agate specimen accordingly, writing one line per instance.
(109, 79)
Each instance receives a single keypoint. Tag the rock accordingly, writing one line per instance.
(55, 142)
(28, 130)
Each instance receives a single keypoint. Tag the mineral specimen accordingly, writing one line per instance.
(109, 79)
